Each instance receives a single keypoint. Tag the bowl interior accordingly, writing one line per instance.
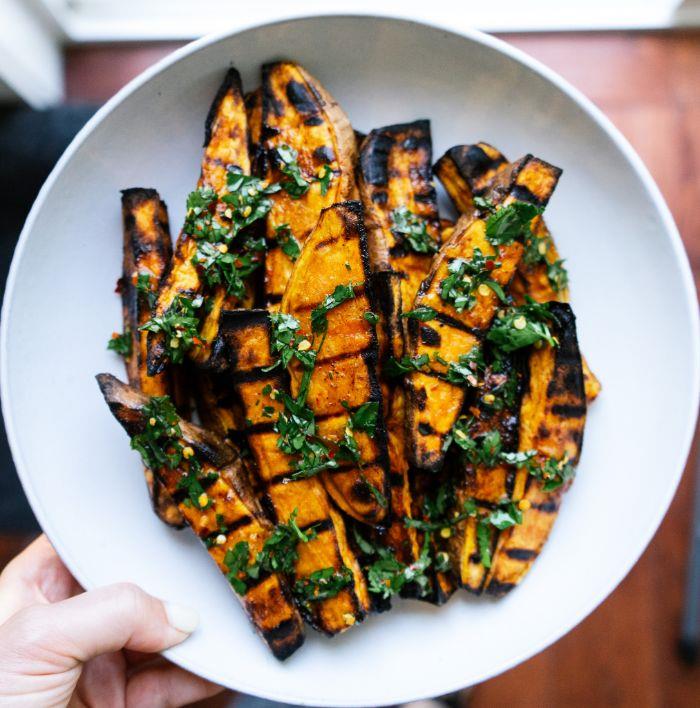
(631, 292)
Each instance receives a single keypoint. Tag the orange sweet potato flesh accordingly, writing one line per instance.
(225, 146)
(298, 112)
(233, 514)
(147, 251)
(345, 376)
(434, 404)
(552, 419)
(247, 335)
(468, 171)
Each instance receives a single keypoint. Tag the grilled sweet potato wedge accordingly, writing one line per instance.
(147, 253)
(247, 335)
(336, 255)
(468, 171)
(497, 409)
(433, 403)
(299, 114)
(225, 514)
(225, 147)
(395, 173)
(552, 418)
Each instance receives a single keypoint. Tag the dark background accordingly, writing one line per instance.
(625, 654)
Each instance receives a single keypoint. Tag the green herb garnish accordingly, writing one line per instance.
(511, 222)
(179, 324)
(521, 326)
(413, 230)
(422, 313)
(467, 278)
(120, 343)
(319, 319)
(295, 185)
(289, 245)
(322, 585)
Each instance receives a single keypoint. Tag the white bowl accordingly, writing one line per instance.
(632, 292)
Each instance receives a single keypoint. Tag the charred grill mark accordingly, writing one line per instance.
(396, 479)
(429, 336)
(274, 298)
(361, 492)
(270, 102)
(474, 162)
(374, 158)
(521, 554)
(548, 507)
(313, 121)
(498, 588)
(301, 99)
(319, 526)
(379, 197)
(284, 639)
(522, 194)
(565, 410)
(324, 154)
(453, 322)
(231, 526)
(426, 429)
(420, 398)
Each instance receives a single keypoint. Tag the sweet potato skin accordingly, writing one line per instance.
(552, 420)
(147, 250)
(268, 602)
(247, 335)
(298, 112)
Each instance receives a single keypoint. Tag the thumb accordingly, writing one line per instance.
(101, 621)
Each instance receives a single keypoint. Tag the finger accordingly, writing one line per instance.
(98, 622)
(37, 575)
(167, 686)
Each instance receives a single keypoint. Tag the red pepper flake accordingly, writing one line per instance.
(490, 265)
(115, 335)
(197, 341)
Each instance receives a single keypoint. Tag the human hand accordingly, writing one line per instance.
(61, 645)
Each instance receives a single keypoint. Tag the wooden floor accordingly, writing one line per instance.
(649, 85)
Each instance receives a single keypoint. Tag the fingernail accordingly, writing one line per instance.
(184, 619)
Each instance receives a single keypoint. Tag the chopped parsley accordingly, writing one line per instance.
(422, 313)
(159, 445)
(398, 367)
(466, 369)
(295, 185)
(521, 326)
(289, 245)
(319, 315)
(511, 222)
(287, 343)
(551, 473)
(371, 317)
(322, 585)
(220, 267)
(144, 287)
(504, 516)
(159, 442)
(278, 555)
(413, 230)
(557, 275)
(325, 175)
(387, 576)
(467, 278)
(180, 326)
(120, 343)
(247, 200)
